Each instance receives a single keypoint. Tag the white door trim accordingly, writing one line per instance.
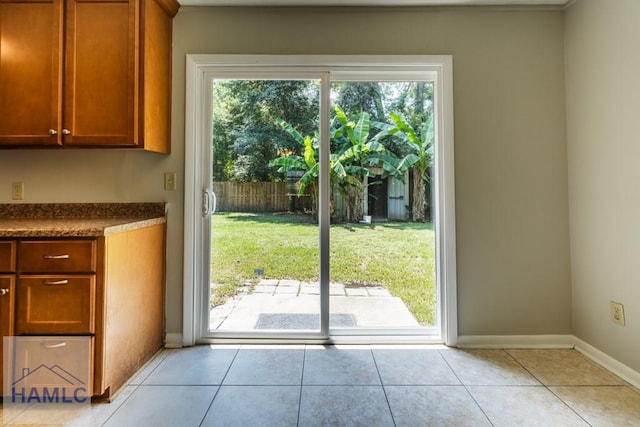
(441, 66)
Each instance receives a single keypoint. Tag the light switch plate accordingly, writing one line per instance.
(170, 181)
(17, 191)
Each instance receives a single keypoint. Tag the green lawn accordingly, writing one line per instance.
(398, 255)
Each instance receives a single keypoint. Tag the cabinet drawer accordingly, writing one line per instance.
(55, 304)
(61, 367)
(57, 256)
(7, 256)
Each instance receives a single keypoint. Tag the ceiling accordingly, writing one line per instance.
(371, 2)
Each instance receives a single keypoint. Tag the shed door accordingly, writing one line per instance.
(398, 199)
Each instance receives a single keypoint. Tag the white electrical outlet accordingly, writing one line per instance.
(617, 312)
(17, 191)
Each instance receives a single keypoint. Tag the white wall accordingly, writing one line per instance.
(511, 173)
(510, 147)
(603, 128)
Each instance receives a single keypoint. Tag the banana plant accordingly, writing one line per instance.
(309, 164)
(353, 154)
(419, 160)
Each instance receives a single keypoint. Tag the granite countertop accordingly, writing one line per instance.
(77, 219)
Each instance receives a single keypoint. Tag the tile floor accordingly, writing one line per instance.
(358, 385)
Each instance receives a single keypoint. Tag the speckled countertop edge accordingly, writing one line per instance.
(77, 219)
(81, 210)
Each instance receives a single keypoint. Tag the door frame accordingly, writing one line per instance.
(197, 131)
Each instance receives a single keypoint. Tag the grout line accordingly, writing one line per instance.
(158, 360)
(568, 406)
(465, 387)
(136, 387)
(546, 386)
(204, 417)
(304, 359)
(384, 390)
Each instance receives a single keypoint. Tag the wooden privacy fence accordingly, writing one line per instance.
(257, 197)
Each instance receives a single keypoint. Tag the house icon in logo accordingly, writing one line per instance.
(48, 384)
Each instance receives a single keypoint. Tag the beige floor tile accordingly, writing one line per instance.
(564, 367)
(150, 366)
(50, 414)
(524, 406)
(603, 405)
(94, 414)
(413, 367)
(487, 367)
(434, 406)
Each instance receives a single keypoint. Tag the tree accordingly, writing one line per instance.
(357, 97)
(244, 138)
(359, 154)
(419, 160)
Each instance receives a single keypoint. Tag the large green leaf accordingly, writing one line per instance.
(361, 129)
(408, 161)
(385, 130)
(309, 152)
(288, 163)
(405, 128)
(374, 146)
(338, 169)
(291, 131)
(427, 133)
(340, 115)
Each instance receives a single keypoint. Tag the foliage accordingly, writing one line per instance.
(246, 145)
(353, 154)
(400, 256)
(244, 138)
(419, 159)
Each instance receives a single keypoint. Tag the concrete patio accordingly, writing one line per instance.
(292, 304)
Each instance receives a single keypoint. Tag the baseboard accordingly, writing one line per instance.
(516, 341)
(623, 371)
(552, 341)
(173, 340)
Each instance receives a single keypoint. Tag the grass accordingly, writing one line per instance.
(397, 255)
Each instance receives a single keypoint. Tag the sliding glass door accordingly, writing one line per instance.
(321, 201)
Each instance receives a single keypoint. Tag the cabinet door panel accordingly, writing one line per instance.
(101, 89)
(55, 305)
(30, 72)
(7, 256)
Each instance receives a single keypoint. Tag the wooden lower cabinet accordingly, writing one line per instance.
(109, 288)
(130, 309)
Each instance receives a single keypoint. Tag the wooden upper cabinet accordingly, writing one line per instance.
(30, 72)
(111, 82)
(101, 95)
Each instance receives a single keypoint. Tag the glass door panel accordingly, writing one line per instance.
(383, 252)
(264, 234)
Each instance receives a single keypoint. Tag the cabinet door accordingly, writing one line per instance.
(30, 72)
(101, 73)
(51, 304)
(7, 291)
